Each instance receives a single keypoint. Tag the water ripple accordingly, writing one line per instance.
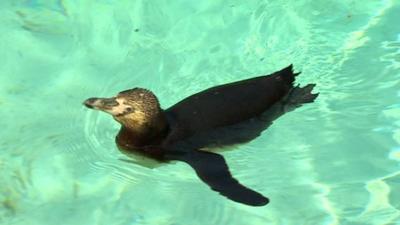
(331, 162)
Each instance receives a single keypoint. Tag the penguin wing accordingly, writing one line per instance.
(213, 170)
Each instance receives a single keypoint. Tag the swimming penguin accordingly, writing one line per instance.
(223, 115)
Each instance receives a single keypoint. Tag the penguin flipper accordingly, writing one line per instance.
(212, 169)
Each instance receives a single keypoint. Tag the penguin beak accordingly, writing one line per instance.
(103, 104)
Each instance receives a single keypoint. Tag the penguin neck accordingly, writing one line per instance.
(134, 135)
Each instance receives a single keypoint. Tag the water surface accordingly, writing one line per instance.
(336, 161)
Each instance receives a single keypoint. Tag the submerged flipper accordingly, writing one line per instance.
(213, 170)
(300, 95)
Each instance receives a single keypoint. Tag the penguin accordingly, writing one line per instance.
(220, 116)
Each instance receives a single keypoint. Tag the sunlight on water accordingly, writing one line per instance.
(336, 161)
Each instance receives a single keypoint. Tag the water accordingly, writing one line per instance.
(336, 161)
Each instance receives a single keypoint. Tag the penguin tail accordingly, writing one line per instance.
(287, 74)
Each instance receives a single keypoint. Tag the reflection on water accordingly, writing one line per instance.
(335, 161)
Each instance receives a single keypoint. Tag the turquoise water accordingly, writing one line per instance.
(336, 161)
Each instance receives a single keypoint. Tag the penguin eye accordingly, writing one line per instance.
(129, 109)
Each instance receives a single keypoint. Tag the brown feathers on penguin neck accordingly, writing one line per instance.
(143, 121)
